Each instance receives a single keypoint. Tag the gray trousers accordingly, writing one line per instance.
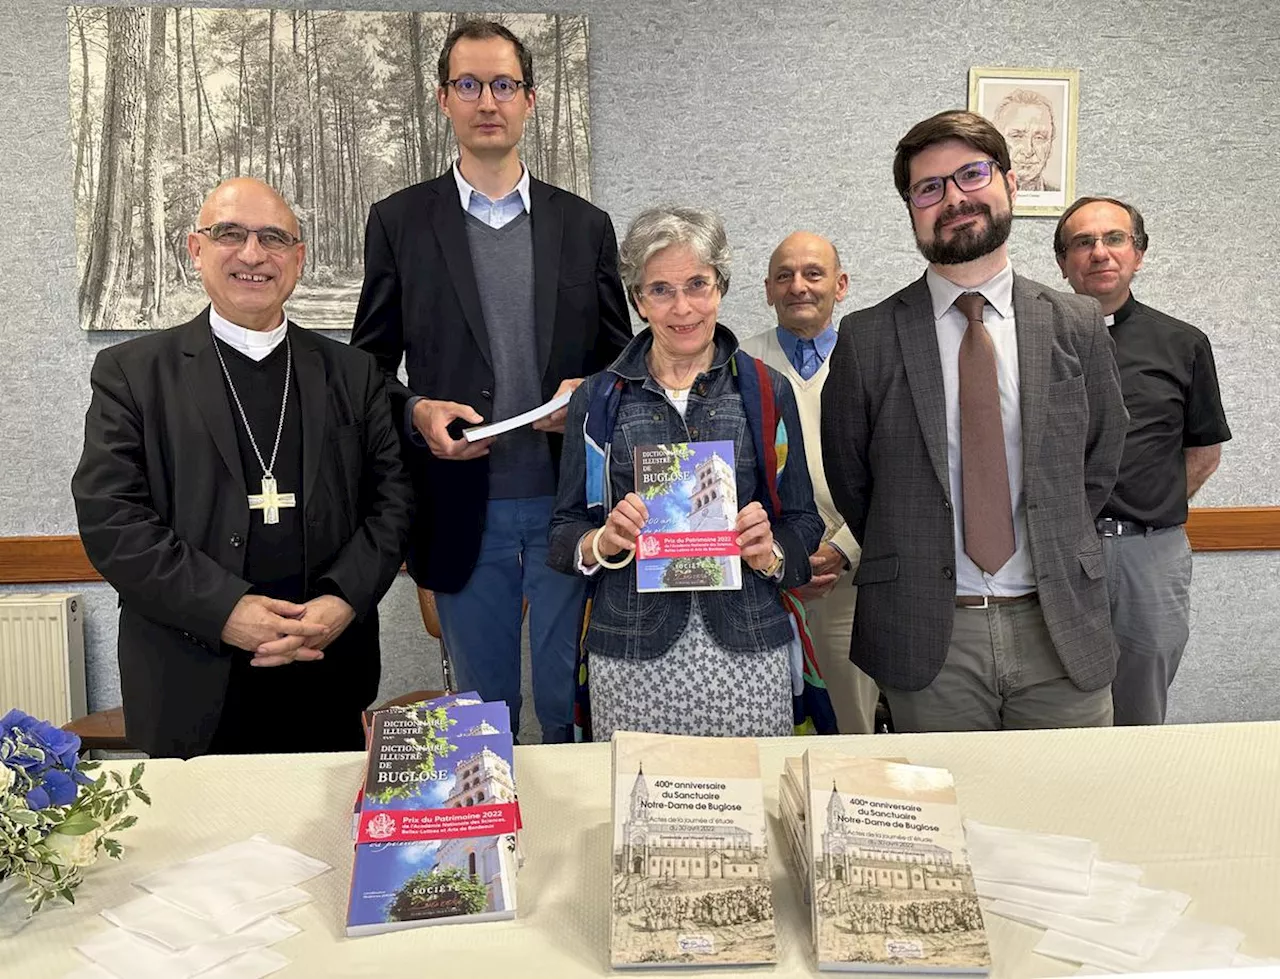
(1149, 581)
(1002, 672)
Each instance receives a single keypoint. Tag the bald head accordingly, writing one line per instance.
(805, 241)
(240, 193)
(247, 280)
(804, 283)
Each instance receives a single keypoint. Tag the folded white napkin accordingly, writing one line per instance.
(1149, 919)
(1113, 887)
(1188, 944)
(131, 957)
(1041, 860)
(153, 917)
(222, 880)
(253, 964)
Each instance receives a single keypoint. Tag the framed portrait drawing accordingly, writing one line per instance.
(1036, 110)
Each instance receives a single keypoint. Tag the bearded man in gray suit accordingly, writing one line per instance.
(972, 426)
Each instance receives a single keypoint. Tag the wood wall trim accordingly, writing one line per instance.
(53, 559)
(1234, 528)
(44, 560)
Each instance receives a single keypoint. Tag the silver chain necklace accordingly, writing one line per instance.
(269, 501)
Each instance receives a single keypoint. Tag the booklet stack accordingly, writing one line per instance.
(690, 854)
(437, 818)
(887, 876)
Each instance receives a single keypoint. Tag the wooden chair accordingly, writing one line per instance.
(102, 730)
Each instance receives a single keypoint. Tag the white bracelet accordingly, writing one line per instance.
(611, 565)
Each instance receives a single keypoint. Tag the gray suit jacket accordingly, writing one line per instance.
(885, 449)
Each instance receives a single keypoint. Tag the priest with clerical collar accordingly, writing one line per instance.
(241, 489)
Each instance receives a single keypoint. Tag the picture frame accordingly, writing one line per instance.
(1037, 110)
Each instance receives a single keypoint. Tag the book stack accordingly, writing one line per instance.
(881, 850)
(437, 818)
(690, 854)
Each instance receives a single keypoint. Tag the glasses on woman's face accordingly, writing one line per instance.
(229, 235)
(697, 289)
(502, 88)
(970, 177)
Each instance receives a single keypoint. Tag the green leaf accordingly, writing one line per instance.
(24, 817)
(142, 795)
(136, 774)
(67, 895)
(113, 847)
(76, 824)
(124, 823)
(116, 779)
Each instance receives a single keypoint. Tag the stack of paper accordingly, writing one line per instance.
(213, 915)
(1095, 912)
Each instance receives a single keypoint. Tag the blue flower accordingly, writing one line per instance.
(57, 744)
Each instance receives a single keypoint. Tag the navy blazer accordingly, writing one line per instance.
(420, 303)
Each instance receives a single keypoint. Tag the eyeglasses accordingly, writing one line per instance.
(695, 290)
(970, 177)
(231, 235)
(1082, 244)
(502, 88)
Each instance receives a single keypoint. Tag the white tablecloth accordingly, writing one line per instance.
(1198, 807)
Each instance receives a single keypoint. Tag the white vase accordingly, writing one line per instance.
(14, 909)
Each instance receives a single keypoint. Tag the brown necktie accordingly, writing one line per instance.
(988, 513)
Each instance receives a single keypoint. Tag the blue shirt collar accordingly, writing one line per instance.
(465, 190)
(824, 342)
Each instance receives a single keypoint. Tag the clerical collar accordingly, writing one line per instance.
(1124, 312)
(254, 344)
(997, 291)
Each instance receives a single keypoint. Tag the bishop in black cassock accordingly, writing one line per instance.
(241, 489)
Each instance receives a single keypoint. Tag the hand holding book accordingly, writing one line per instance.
(755, 537)
(620, 530)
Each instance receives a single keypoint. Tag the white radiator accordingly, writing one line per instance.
(42, 655)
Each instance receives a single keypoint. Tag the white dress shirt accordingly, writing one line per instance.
(1017, 577)
(497, 213)
(254, 344)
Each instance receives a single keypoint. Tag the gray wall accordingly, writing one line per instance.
(785, 116)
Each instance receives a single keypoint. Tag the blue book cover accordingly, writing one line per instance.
(689, 542)
(436, 839)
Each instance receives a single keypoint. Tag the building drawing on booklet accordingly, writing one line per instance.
(891, 884)
(690, 857)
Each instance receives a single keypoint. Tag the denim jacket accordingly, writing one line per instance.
(628, 624)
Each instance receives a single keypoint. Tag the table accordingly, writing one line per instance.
(1197, 806)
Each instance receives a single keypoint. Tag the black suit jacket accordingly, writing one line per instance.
(162, 504)
(420, 302)
(884, 445)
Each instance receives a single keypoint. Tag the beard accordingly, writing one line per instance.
(966, 243)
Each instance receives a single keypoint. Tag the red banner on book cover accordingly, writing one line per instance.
(689, 543)
(387, 825)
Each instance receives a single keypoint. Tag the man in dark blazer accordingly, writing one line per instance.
(242, 490)
(972, 427)
(499, 292)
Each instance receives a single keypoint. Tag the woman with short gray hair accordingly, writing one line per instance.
(702, 662)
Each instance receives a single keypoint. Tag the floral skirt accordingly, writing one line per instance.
(696, 687)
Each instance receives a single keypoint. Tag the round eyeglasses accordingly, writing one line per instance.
(970, 177)
(502, 88)
(231, 235)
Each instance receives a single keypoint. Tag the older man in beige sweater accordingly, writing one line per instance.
(804, 283)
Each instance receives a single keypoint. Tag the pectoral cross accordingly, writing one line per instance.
(269, 501)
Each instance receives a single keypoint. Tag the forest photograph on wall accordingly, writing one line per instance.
(335, 109)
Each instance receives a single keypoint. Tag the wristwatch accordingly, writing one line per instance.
(774, 570)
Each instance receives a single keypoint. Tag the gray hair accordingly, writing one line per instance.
(661, 227)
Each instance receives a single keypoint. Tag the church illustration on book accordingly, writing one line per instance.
(661, 849)
(859, 861)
